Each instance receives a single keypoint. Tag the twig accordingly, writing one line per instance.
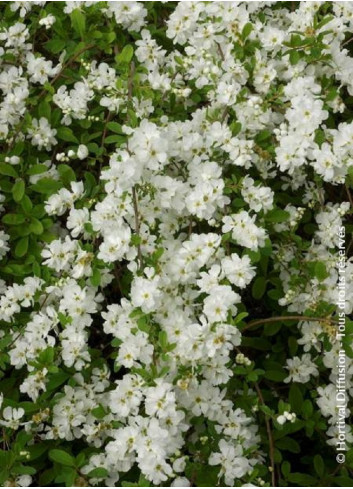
(224, 115)
(274, 319)
(347, 41)
(270, 437)
(220, 51)
(190, 228)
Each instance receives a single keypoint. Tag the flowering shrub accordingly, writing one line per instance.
(175, 185)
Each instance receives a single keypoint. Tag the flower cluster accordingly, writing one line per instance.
(173, 175)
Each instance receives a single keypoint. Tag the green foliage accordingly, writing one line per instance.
(301, 455)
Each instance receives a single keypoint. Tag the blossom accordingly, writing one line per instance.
(11, 417)
(41, 134)
(232, 461)
(301, 369)
(153, 180)
(239, 271)
(244, 230)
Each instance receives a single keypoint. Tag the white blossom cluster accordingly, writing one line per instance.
(169, 221)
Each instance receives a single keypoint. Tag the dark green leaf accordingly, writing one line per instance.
(18, 190)
(61, 457)
(21, 247)
(8, 170)
(13, 219)
(66, 134)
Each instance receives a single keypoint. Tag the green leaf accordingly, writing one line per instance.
(99, 473)
(270, 329)
(263, 136)
(266, 410)
(307, 409)
(126, 54)
(56, 379)
(295, 398)
(115, 127)
(302, 479)
(26, 204)
(248, 27)
(275, 375)
(320, 137)
(55, 46)
(96, 278)
(44, 110)
(66, 134)
(68, 476)
(163, 339)
(18, 190)
(78, 21)
(61, 457)
(320, 271)
(37, 169)
(67, 174)
(99, 412)
(36, 226)
(319, 465)
(285, 467)
(277, 215)
(235, 127)
(240, 317)
(294, 57)
(46, 357)
(115, 139)
(259, 288)
(8, 170)
(36, 450)
(13, 219)
(20, 469)
(21, 247)
(206, 476)
(343, 481)
(46, 186)
(288, 444)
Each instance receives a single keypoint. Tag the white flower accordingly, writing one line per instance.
(47, 21)
(221, 299)
(82, 152)
(281, 419)
(233, 464)
(239, 271)
(257, 196)
(115, 246)
(41, 134)
(59, 254)
(145, 293)
(40, 69)
(180, 482)
(11, 417)
(244, 230)
(301, 369)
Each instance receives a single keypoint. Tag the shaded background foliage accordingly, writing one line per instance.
(299, 450)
